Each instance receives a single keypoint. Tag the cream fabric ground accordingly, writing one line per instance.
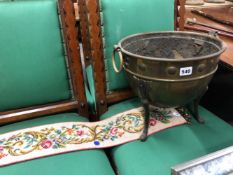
(59, 138)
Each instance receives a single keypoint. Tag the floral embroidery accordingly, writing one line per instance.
(2, 155)
(113, 130)
(96, 142)
(46, 144)
(185, 113)
(152, 122)
(79, 133)
(53, 138)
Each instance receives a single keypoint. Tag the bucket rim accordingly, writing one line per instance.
(221, 50)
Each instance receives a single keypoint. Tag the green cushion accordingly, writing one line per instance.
(89, 162)
(90, 100)
(169, 147)
(91, 88)
(32, 64)
(125, 17)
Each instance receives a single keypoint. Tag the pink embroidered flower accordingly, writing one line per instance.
(1, 148)
(152, 122)
(70, 131)
(80, 132)
(121, 133)
(46, 144)
(113, 130)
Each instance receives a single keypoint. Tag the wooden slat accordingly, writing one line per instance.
(222, 12)
(84, 32)
(117, 96)
(32, 112)
(73, 51)
(179, 14)
(92, 7)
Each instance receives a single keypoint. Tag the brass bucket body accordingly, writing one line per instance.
(179, 78)
(169, 69)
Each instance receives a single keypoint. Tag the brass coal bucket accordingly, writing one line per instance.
(169, 69)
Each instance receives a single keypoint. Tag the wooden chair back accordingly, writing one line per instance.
(66, 56)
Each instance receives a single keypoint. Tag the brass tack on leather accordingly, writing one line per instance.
(82, 105)
(171, 70)
(102, 102)
(64, 11)
(66, 24)
(70, 49)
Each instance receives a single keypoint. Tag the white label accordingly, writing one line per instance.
(184, 71)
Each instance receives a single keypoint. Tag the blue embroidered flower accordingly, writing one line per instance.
(97, 143)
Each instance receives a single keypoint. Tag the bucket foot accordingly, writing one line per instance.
(194, 108)
(143, 137)
(144, 99)
(196, 114)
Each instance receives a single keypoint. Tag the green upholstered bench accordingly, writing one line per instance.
(169, 147)
(42, 82)
(109, 21)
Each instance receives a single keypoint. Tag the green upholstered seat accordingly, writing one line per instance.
(169, 147)
(88, 162)
(31, 49)
(91, 89)
(90, 99)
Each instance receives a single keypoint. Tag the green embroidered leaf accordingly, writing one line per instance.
(58, 131)
(55, 147)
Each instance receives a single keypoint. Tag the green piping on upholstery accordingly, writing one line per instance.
(90, 99)
(91, 85)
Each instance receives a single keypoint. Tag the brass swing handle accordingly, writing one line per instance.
(118, 50)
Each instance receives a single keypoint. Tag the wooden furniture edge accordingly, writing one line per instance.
(67, 15)
(32, 112)
(96, 46)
